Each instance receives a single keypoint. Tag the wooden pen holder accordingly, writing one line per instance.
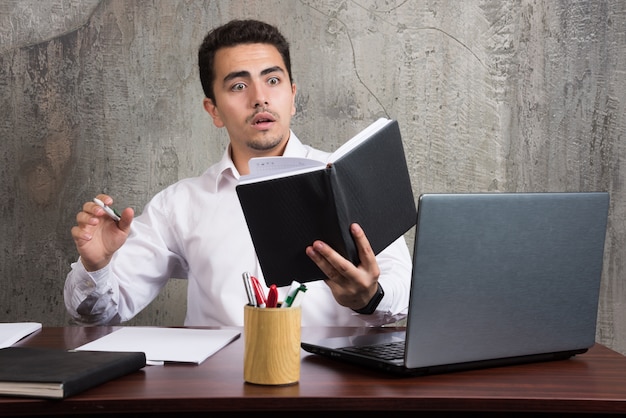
(271, 345)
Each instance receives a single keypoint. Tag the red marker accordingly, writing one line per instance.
(272, 297)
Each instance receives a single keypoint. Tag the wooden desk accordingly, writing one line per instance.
(594, 382)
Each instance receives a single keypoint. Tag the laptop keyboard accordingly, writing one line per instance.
(387, 351)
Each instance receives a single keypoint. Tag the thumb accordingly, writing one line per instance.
(126, 219)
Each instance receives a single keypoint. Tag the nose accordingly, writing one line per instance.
(259, 96)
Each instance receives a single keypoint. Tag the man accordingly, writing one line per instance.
(195, 229)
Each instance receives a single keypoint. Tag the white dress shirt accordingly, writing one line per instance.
(195, 230)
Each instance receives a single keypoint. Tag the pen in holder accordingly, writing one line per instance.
(271, 345)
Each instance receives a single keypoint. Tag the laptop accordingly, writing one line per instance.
(498, 279)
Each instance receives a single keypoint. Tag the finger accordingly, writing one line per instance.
(83, 218)
(332, 264)
(80, 235)
(106, 199)
(91, 208)
(366, 253)
(317, 256)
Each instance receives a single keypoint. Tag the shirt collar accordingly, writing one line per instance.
(224, 171)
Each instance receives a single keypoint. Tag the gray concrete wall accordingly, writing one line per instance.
(491, 95)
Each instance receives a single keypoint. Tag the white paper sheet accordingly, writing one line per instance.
(186, 345)
(12, 332)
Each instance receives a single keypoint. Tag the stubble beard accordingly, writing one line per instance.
(266, 144)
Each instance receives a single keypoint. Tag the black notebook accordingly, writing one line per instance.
(57, 374)
(289, 203)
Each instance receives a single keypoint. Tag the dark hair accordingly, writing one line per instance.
(234, 33)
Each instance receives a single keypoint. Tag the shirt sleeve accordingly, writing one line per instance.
(90, 297)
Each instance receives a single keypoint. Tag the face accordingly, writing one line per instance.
(254, 101)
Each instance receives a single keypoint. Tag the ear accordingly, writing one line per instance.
(211, 109)
(293, 99)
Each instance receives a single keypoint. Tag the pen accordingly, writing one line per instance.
(258, 292)
(110, 211)
(248, 287)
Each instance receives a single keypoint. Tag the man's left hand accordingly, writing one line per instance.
(352, 286)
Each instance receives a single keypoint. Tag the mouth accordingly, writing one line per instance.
(263, 119)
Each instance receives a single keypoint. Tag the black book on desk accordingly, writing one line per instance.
(57, 374)
(290, 202)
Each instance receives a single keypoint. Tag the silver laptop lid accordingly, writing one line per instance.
(504, 274)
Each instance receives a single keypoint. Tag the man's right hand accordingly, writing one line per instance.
(97, 236)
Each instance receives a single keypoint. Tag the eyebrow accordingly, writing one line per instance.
(246, 74)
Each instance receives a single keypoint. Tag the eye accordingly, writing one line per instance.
(238, 87)
(272, 81)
